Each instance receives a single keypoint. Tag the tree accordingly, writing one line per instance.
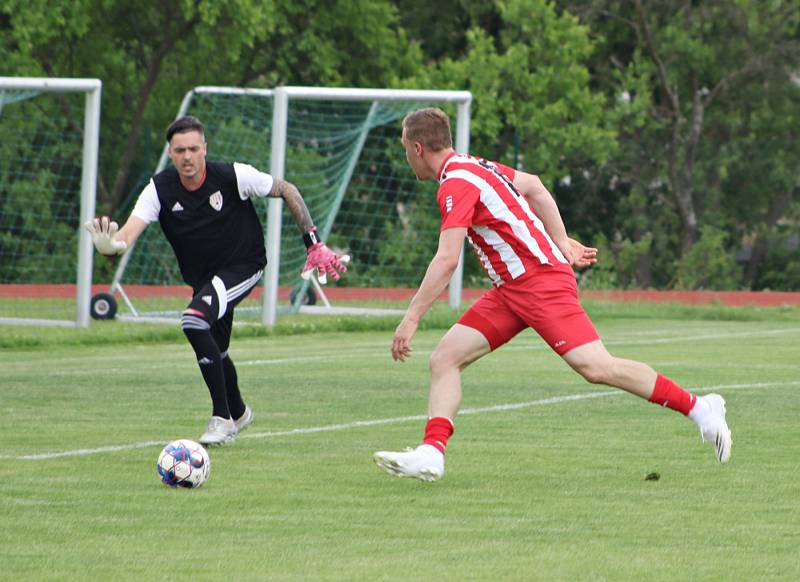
(150, 53)
(128, 45)
(525, 64)
(532, 101)
(763, 179)
(688, 65)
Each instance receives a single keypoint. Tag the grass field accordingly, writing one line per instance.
(545, 476)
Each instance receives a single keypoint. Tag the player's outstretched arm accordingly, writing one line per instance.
(320, 258)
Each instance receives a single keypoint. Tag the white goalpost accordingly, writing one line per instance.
(280, 119)
(48, 176)
(341, 146)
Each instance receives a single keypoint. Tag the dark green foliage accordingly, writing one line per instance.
(40, 184)
(648, 121)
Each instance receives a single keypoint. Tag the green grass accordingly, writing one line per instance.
(545, 492)
(440, 317)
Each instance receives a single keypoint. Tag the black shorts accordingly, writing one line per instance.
(217, 298)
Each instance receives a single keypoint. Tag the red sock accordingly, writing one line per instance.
(437, 431)
(668, 393)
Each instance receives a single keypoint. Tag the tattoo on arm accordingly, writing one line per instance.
(294, 200)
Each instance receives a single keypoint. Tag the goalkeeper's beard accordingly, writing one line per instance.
(189, 171)
(192, 175)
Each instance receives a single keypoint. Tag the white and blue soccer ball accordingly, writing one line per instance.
(184, 463)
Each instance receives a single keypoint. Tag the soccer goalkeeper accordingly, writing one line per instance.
(206, 212)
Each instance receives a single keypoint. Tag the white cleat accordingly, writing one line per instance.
(220, 431)
(244, 420)
(425, 463)
(714, 429)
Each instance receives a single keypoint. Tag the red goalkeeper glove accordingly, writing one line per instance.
(322, 259)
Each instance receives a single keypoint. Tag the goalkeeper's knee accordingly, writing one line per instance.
(194, 319)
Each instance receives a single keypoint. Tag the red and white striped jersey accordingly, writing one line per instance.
(509, 239)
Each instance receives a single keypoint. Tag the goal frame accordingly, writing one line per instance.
(91, 140)
(281, 99)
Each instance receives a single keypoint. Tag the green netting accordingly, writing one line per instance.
(40, 185)
(347, 161)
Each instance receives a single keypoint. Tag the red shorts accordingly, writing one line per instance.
(546, 301)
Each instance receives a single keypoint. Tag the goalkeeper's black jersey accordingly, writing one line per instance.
(209, 228)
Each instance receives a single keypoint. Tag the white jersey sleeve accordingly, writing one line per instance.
(251, 182)
(147, 205)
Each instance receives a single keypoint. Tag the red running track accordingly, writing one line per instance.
(730, 298)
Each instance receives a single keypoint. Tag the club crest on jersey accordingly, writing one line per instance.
(216, 200)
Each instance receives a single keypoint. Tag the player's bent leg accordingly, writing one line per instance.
(485, 326)
(197, 322)
(197, 330)
(459, 347)
(596, 365)
(230, 286)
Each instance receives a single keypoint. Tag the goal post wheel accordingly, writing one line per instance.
(103, 306)
(310, 297)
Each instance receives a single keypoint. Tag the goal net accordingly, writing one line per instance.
(48, 171)
(341, 147)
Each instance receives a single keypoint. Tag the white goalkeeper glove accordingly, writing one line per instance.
(103, 230)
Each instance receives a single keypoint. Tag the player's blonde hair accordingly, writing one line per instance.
(430, 127)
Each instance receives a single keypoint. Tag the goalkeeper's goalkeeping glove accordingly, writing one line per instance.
(103, 230)
(321, 258)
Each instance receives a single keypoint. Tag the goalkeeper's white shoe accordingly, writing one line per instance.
(425, 463)
(220, 431)
(244, 420)
(714, 428)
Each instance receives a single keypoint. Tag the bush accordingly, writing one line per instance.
(710, 264)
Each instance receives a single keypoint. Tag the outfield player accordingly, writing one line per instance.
(514, 226)
(206, 212)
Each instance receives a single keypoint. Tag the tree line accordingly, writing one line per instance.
(666, 129)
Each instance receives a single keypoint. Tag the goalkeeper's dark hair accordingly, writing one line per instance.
(185, 124)
(430, 127)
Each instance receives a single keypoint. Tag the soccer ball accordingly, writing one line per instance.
(183, 463)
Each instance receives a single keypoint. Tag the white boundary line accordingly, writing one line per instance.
(380, 421)
(369, 351)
